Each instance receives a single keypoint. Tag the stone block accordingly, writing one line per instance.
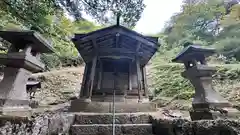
(107, 118)
(201, 115)
(20, 111)
(213, 115)
(106, 107)
(13, 95)
(106, 129)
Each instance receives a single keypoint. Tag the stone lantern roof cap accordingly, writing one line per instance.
(193, 52)
(27, 37)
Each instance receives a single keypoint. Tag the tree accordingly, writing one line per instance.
(33, 12)
(46, 19)
(228, 42)
(199, 21)
(105, 10)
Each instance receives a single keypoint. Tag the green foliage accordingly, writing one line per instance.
(207, 23)
(50, 61)
(70, 61)
(229, 47)
(195, 22)
(168, 82)
(48, 20)
(105, 11)
(55, 61)
(33, 13)
(48, 17)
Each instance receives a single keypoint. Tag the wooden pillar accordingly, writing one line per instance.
(92, 76)
(84, 91)
(100, 75)
(93, 68)
(115, 80)
(130, 76)
(139, 79)
(145, 81)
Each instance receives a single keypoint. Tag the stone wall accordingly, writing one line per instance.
(59, 123)
(42, 124)
(204, 127)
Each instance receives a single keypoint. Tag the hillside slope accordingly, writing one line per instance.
(164, 80)
(59, 85)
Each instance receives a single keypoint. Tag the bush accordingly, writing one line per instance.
(55, 61)
(168, 80)
(230, 47)
(71, 61)
(51, 61)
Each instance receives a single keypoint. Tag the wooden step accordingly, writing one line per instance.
(107, 118)
(106, 129)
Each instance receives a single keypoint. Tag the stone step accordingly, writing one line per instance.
(106, 107)
(106, 129)
(107, 118)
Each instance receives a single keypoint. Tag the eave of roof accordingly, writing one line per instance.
(152, 41)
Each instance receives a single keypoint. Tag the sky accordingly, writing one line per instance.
(155, 14)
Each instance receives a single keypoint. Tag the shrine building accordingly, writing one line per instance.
(115, 58)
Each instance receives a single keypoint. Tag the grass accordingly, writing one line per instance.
(167, 81)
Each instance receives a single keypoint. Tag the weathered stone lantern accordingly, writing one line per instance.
(32, 86)
(21, 60)
(200, 75)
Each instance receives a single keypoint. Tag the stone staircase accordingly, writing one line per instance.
(101, 124)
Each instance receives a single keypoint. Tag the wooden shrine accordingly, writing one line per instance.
(115, 59)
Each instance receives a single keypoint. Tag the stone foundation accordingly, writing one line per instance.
(107, 118)
(80, 105)
(21, 111)
(231, 113)
(203, 127)
(106, 129)
(72, 124)
(101, 124)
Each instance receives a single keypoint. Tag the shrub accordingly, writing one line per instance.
(71, 61)
(168, 81)
(230, 47)
(51, 60)
(55, 61)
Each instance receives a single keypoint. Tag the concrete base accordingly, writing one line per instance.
(212, 115)
(13, 95)
(23, 111)
(80, 105)
(15, 107)
(201, 115)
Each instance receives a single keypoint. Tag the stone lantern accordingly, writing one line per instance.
(21, 60)
(200, 75)
(32, 86)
